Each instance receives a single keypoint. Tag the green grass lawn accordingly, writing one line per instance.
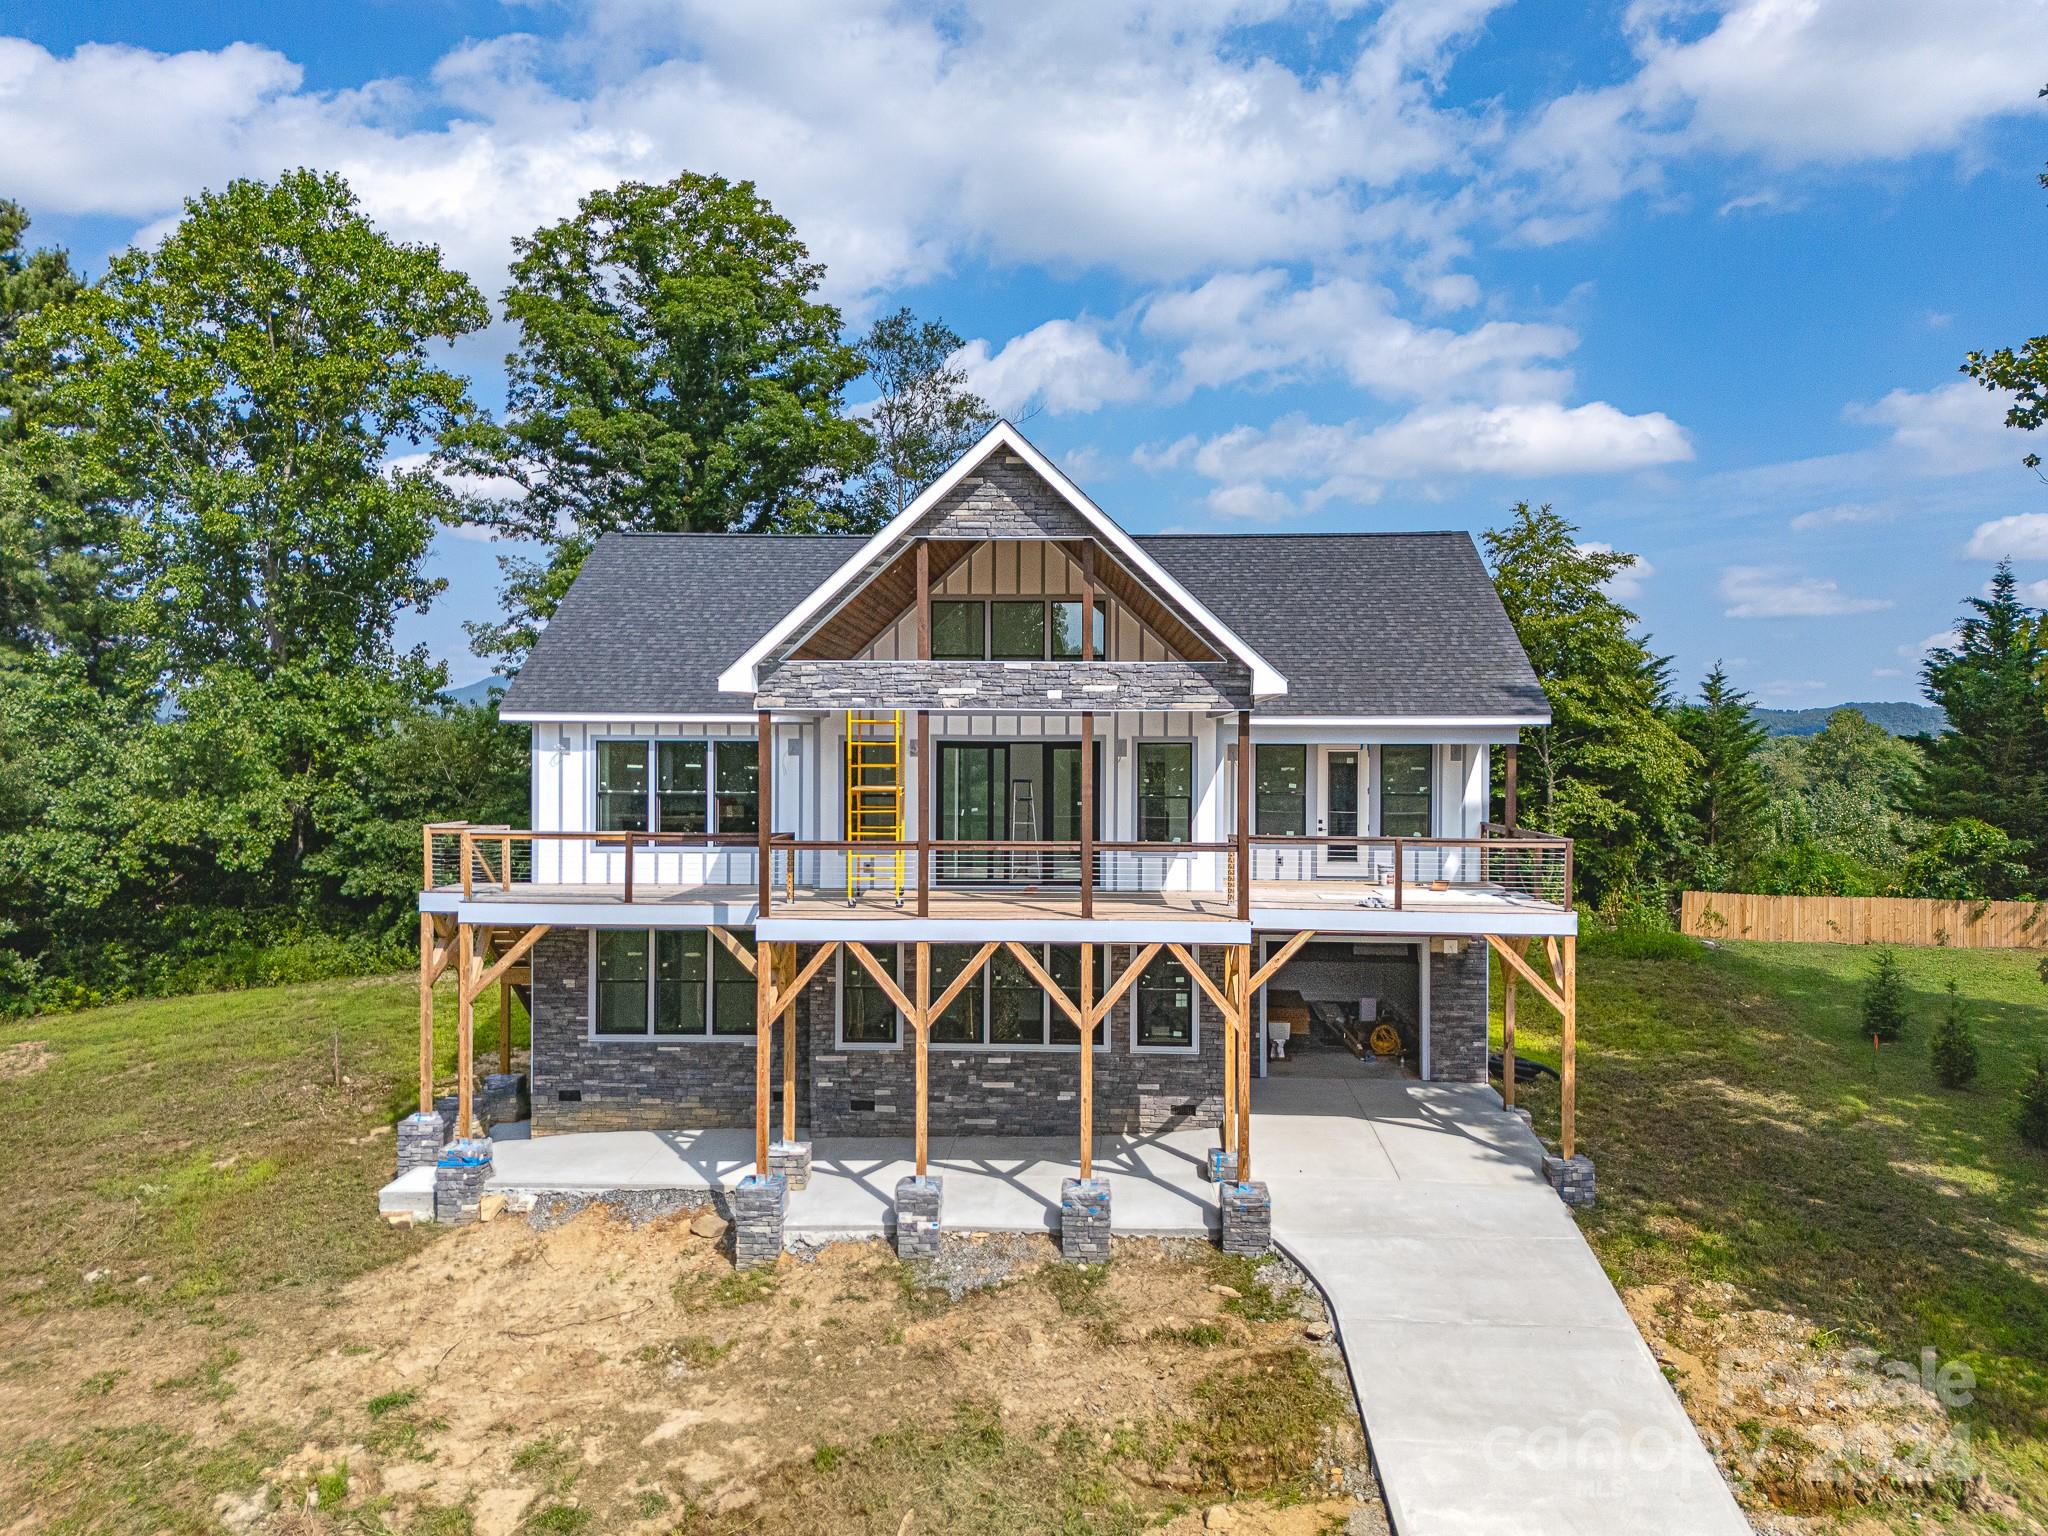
(1745, 1131)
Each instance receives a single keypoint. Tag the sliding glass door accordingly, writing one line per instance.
(1011, 791)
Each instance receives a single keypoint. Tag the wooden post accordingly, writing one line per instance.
(922, 1024)
(1088, 600)
(1087, 1063)
(765, 803)
(1509, 809)
(1507, 1038)
(1087, 816)
(927, 798)
(504, 1023)
(468, 847)
(1228, 1137)
(465, 1023)
(426, 1013)
(1568, 1087)
(1241, 997)
(784, 972)
(764, 1051)
(1244, 815)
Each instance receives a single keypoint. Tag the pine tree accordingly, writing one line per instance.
(1953, 1049)
(2032, 1119)
(1728, 806)
(1884, 999)
(1992, 761)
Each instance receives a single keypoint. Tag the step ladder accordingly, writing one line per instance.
(1023, 829)
(874, 802)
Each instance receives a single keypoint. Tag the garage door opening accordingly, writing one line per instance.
(1344, 1007)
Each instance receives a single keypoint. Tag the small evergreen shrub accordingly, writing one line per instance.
(2032, 1120)
(1884, 999)
(1953, 1049)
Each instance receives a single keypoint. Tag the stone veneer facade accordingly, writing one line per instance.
(581, 1084)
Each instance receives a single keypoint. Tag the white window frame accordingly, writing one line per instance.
(650, 744)
(984, 1045)
(1194, 1045)
(1138, 746)
(590, 1029)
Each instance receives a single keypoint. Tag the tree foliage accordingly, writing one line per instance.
(675, 372)
(2030, 1111)
(1884, 998)
(1611, 769)
(1728, 800)
(923, 418)
(1953, 1050)
(2019, 372)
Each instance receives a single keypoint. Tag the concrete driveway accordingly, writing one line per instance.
(1505, 1388)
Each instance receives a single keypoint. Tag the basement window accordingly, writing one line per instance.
(667, 984)
(1164, 1005)
(1002, 1008)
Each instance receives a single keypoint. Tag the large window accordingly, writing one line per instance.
(957, 633)
(1163, 1005)
(1280, 790)
(1066, 632)
(1002, 1007)
(1166, 791)
(678, 786)
(1016, 631)
(1404, 791)
(667, 984)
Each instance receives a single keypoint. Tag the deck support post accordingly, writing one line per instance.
(1568, 1089)
(764, 1057)
(1087, 816)
(427, 972)
(922, 1023)
(1087, 1063)
(1508, 809)
(1237, 985)
(765, 806)
(466, 968)
(1507, 1037)
(1244, 815)
(782, 969)
(505, 1024)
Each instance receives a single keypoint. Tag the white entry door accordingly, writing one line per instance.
(1340, 806)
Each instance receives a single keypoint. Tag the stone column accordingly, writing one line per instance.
(792, 1160)
(1571, 1177)
(459, 1179)
(1247, 1218)
(420, 1139)
(1084, 1221)
(758, 1207)
(504, 1100)
(919, 1202)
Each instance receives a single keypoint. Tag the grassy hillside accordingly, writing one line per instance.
(1748, 1139)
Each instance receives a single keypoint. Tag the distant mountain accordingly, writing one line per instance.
(1900, 719)
(479, 692)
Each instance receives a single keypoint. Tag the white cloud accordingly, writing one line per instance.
(1887, 671)
(1941, 640)
(1766, 592)
(1838, 515)
(1956, 428)
(1351, 460)
(2034, 593)
(2022, 536)
(1154, 458)
(1063, 365)
(489, 487)
(1624, 586)
(1783, 689)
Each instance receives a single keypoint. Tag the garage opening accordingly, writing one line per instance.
(1340, 1006)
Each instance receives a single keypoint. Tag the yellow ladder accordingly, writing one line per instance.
(874, 801)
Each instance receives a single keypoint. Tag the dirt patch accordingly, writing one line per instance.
(24, 1058)
(1809, 1427)
(601, 1374)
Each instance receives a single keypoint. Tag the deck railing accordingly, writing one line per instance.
(1392, 872)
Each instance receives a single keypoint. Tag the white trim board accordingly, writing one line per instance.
(743, 676)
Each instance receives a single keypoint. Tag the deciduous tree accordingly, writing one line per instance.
(924, 418)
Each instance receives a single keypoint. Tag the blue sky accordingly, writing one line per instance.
(1698, 272)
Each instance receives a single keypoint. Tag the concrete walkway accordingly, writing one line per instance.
(1505, 1387)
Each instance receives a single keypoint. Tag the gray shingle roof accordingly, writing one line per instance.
(1372, 624)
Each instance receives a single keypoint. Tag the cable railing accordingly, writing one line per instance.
(1502, 869)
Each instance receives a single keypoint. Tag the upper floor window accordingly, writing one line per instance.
(1280, 789)
(1404, 791)
(1166, 791)
(678, 786)
(1013, 629)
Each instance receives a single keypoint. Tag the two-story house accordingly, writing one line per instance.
(868, 835)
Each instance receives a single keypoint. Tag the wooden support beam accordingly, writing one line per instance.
(764, 800)
(1228, 1136)
(786, 996)
(1124, 982)
(883, 979)
(1271, 968)
(467, 963)
(780, 978)
(1568, 1073)
(505, 1023)
(432, 958)
(1088, 600)
(1237, 971)
(1507, 952)
(1087, 816)
(924, 1034)
(965, 979)
(510, 957)
(1087, 1063)
(1507, 1037)
(764, 1061)
(1244, 815)
(736, 949)
(1051, 988)
(1508, 810)
(1214, 993)
(924, 600)
(1556, 962)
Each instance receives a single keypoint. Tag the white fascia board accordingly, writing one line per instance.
(1403, 722)
(588, 717)
(591, 914)
(741, 676)
(960, 930)
(1434, 924)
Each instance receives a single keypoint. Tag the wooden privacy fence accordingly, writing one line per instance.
(1864, 920)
